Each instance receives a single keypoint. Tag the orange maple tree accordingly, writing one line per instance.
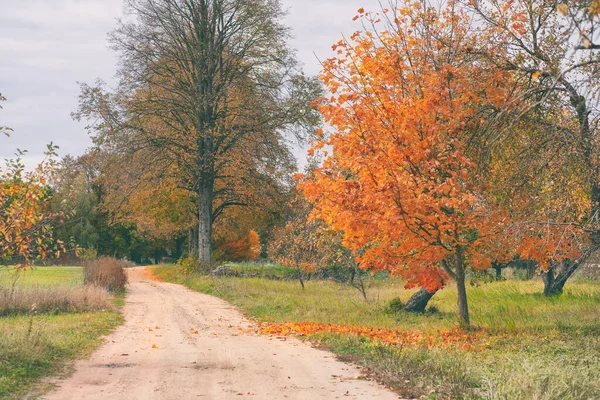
(405, 98)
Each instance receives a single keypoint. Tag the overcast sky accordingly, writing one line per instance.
(47, 46)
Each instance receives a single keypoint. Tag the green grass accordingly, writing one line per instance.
(542, 348)
(35, 346)
(262, 269)
(27, 355)
(44, 276)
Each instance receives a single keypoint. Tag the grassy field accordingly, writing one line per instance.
(531, 347)
(44, 277)
(37, 344)
(262, 269)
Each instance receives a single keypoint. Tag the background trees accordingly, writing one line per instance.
(546, 152)
(205, 86)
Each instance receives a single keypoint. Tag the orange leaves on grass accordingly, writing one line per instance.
(444, 338)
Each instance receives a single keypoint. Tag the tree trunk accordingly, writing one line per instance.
(463, 305)
(554, 282)
(419, 301)
(205, 225)
(299, 272)
(361, 284)
(498, 268)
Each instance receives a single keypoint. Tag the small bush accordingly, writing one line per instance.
(191, 265)
(394, 306)
(106, 272)
(52, 300)
(188, 265)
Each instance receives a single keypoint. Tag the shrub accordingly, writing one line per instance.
(244, 248)
(191, 265)
(188, 265)
(394, 306)
(106, 272)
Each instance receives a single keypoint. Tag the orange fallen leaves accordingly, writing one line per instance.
(444, 338)
(149, 274)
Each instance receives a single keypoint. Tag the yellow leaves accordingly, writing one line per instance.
(587, 43)
(595, 8)
(536, 76)
(563, 9)
(26, 213)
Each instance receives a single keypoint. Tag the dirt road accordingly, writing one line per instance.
(179, 344)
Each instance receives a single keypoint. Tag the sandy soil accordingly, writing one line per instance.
(179, 344)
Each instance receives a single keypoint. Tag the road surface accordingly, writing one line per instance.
(179, 344)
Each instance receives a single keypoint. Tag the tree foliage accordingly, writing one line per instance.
(547, 171)
(26, 217)
(208, 89)
(406, 97)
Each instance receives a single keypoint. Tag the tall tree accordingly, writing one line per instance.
(200, 80)
(550, 148)
(406, 97)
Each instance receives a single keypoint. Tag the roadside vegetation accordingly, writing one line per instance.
(48, 317)
(523, 345)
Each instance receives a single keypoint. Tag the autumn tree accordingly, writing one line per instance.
(205, 85)
(546, 154)
(306, 245)
(149, 196)
(405, 97)
(26, 218)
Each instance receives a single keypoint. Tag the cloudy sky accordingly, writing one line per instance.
(47, 46)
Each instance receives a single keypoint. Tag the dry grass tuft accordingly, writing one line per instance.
(106, 272)
(58, 299)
